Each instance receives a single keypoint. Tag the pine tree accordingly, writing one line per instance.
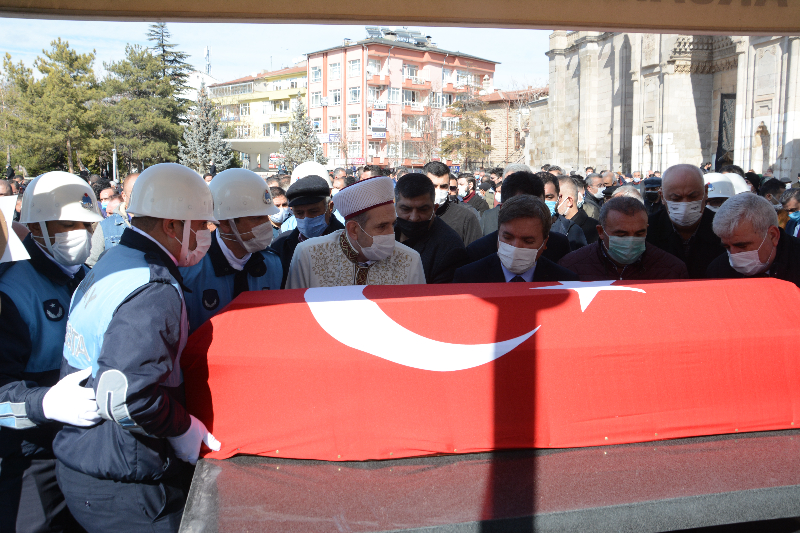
(300, 143)
(204, 138)
(173, 62)
(469, 144)
(139, 110)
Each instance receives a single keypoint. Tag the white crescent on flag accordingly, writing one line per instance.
(377, 334)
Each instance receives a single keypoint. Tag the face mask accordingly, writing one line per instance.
(748, 263)
(580, 202)
(777, 206)
(190, 258)
(262, 237)
(441, 196)
(685, 214)
(651, 196)
(712, 208)
(334, 192)
(637, 180)
(564, 204)
(795, 216)
(71, 247)
(104, 205)
(462, 191)
(599, 193)
(312, 227)
(625, 250)
(382, 246)
(281, 216)
(516, 260)
(497, 198)
(413, 229)
(551, 205)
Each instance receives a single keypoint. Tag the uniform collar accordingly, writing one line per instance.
(136, 239)
(233, 261)
(222, 267)
(47, 266)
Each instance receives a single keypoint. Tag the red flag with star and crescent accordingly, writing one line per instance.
(381, 372)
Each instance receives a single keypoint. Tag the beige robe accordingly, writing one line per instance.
(330, 261)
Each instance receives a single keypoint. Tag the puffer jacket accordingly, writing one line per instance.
(591, 263)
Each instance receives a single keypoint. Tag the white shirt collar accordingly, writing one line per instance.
(68, 270)
(527, 275)
(236, 263)
(140, 232)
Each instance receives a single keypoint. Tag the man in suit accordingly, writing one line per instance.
(522, 237)
(790, 200)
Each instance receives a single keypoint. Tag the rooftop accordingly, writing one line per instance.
(296, 69)
(531, 94)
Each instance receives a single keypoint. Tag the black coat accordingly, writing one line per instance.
(587, 224)
(786, 265)
(573, 232)
(490, 270)
(285, 244)
(440, 250)
(702, 249)
(557, 247)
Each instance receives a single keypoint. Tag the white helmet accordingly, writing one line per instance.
(719, 186)
(59, 196)
(740, 184)
(239, 192)
(310, 168)
(170, 190)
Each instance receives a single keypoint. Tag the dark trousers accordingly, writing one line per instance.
(30, 500)
(103, 505)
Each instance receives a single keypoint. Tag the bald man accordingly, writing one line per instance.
(684, 228)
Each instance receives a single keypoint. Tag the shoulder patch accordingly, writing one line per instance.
(53, 310)
(210, 299)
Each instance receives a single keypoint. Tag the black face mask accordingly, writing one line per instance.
(651, 196)
(412, 230)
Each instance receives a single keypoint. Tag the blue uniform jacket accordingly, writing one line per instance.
(213, 282)
(128, 323)
(113, 227)
(34, 301)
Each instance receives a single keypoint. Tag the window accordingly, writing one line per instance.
(410, 71)
(374, 149)
(393, 150)
(354, 68)
(464, 78)
(412, 150)
(354, 149)
(335, 97)
(316, 74)
(447, 100)
(244, 109)
(447, 75)
(411, 97)
(284, 128)
(231, 90)
(374, 67)
(394, 95)
(353, 122)
(334, 124)
(293, 84)
(265, 108)
(280, 105)
(316, 99)
(354, 95)
(317, 122)
(265, 130)
(372, 94)
(449, 124)
(334, 71)
(242, 131)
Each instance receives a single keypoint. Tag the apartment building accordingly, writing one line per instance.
(258, 109)
(384, 100)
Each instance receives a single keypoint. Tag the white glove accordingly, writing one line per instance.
(68, 402)
(187, 446)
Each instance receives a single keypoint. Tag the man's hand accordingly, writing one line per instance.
(69, 402)
(187, 446)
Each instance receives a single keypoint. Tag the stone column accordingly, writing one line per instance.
(587, 117)
(741, 145)
(791, 137)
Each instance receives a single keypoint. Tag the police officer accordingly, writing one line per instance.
(128, 325)
(109, 231)
(34, 297)
(239, 258)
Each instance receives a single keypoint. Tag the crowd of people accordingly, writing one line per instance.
(94, 433)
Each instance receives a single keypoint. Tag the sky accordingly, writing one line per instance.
(241, 49)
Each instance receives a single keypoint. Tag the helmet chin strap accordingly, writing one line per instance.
(46, 237)
(187, 227)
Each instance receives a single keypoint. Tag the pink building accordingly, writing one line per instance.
(383, 100)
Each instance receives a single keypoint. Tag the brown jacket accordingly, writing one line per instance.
(591, 263)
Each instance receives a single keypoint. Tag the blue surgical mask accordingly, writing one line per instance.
(795, 215)
(551, 205)
(625, 250)
(312, 227)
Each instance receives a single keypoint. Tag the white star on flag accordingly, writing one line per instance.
(587, 290)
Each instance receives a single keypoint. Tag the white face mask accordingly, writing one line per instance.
(441, 196)
(516, 260)
(685, 214)
(599, 193)
(748, 263)
(462, 191)
(581, 201)
(261, 237)
(203, 236)
(712, 208)
(382, 246)
(71, 247)
(566, 207)
(281, 216)
(497, 198)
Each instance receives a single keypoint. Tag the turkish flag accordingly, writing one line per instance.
(380, 372)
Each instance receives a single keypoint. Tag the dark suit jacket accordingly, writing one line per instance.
(790, 227)
(702, 249)
(287, 242)
(786, 265)
(489, 270)
(587, 224)
(557, 247)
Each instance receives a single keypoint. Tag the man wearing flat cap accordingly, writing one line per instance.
(365, 251)
(309, 199)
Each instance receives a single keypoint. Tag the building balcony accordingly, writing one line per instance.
(416, 83)
(282, 94)
(377, 79)
(458, 88)
(414, 108)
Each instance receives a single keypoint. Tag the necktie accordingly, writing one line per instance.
(517, 279)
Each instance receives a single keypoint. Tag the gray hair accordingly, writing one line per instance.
(515, 167)
(526, 206)
(591, 177)
(788, 194)
(626, 205)
(628, 191)
(745, 207)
